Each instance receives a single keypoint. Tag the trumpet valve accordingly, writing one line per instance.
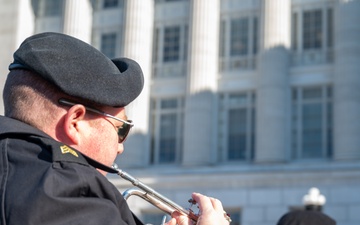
(190, 209)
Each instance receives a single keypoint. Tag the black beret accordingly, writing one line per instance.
(79, 69)
(300, 217)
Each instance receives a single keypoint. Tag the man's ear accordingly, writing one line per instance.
(72, 120)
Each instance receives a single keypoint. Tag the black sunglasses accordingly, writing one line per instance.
(122, 131)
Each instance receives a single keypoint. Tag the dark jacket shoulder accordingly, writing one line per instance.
(47, 182)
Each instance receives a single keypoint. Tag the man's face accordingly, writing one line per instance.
(99, 134)
(101, 141)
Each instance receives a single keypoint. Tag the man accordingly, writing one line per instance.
(64, 125)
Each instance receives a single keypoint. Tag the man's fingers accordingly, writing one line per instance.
(172, 221)
(181, 219)
(210, 206)
(216, 203)
(203, 202)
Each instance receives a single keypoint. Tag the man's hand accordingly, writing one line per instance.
(211, 213)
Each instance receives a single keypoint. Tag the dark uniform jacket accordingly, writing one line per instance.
(43, 181)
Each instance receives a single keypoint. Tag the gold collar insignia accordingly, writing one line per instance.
(65, 149)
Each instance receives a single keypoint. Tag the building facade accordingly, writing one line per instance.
(252, 101)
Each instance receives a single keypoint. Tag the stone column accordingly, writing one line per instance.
(137, 45)
(200, 110)
(272, 108)
(78, 19)
(17, 23)
(347, 81)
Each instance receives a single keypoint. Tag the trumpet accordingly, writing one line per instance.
(153, 197)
